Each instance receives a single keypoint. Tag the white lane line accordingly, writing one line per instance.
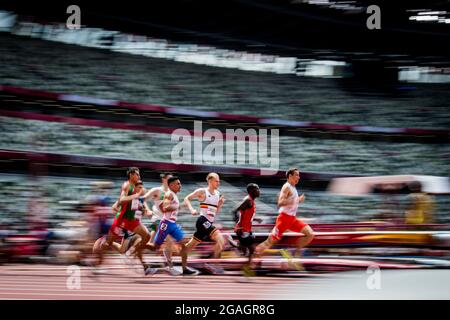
(142, 280)
(98, 293)
(137, 289)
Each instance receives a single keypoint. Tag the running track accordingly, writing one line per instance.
(49, 282)
(31, 281)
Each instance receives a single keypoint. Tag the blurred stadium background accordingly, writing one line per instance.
(79, 106)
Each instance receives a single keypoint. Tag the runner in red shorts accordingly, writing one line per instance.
(288, 202)
(126, 218)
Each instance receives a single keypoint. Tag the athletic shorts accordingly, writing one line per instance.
(119, 224)
(167, 228)
(286, 222)
(204, 228)
(246, 239)
(154, 225)
(127, 234)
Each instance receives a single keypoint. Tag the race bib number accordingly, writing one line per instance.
(206, 224)
(138, 215)
(135, 204)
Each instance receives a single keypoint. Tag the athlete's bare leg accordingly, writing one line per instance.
(168, 250)
(186, 250)
(219, 243)
(140, 244)
(263, 246)
(304, 241)
(108, 243)
(152, 236)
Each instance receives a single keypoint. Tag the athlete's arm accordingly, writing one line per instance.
(245, 204)
(153, 193)
(301, 198)
(220, 204)
(147, 210)
(165, 205)
(124, 192)
(197, 194)
(284, 195)
(115, 207)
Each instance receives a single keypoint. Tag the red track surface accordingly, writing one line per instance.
(31, 281)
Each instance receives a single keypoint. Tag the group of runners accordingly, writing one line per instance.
(130, 237)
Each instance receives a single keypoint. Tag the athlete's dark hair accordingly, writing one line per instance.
(172, 179)
(251, 187)
(132, 170)
(139, 183)
(291, 171)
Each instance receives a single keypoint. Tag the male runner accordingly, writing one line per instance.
(126, 219)
(210, 204)
(288, 202)
(127, 238)
(243, 227)
(168, 225)
(157, 196)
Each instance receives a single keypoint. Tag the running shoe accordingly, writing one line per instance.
(294, 264)
(232, 241)
(214, 269)
(98, 271)
(248, 272)
(190, 272)
(128, 258)
(150, 271)
(172, 271)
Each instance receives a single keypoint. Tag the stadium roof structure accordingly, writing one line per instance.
(325, 28)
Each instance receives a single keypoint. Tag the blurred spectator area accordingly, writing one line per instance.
(45, 65)
(311, 154)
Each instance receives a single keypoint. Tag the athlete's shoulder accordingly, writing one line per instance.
(285, 186)
(248, 201)
(169, 194)
(126, 185)
(201, 191)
